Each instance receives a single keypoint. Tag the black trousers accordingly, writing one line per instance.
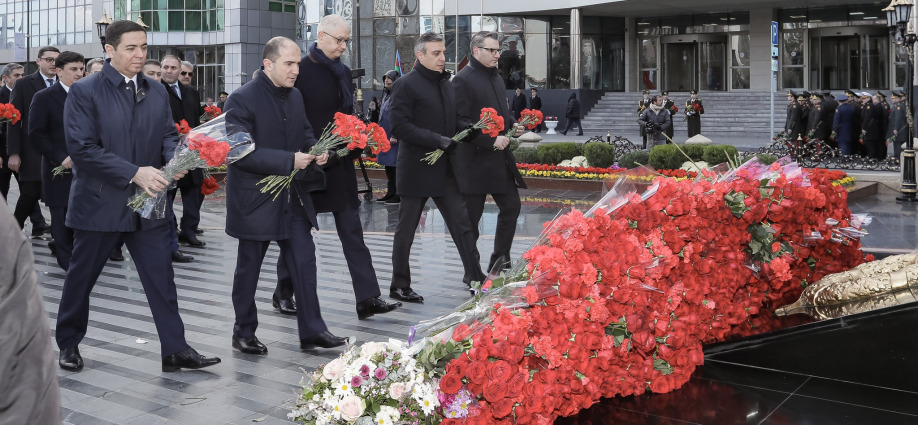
(29, 194)
(508, 205)
(192, 199)
(6, 177)
(694, 124)
(62, 235)
(299, 253)
(148, 248)
(570, 124)
(452, 207)
(356, 253)
(390, 181)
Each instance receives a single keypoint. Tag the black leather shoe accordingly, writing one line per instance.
(190, 240)
(250, 345)
(53, 247)
(40, 229)
(188, 359)
(324, 340)
(373, 306)
(70, 359)
(116, 255)
(181, 257)
(198, 231)
(406, 294)
(285, 306)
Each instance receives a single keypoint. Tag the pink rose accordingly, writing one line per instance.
(352, 407)
(397, 390)
(333, 369)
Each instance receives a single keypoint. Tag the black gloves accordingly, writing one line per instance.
(446, 144)
(333, 159)
(472, 133)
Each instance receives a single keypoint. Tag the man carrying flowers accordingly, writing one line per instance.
(272, 112)
(423, 118)
(486, 165)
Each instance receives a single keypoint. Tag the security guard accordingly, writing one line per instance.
(643, 104)
(693, 110)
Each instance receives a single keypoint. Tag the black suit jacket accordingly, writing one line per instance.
(46, 132)
(17, 138)
(4, 98)
(519, 103)
(187, 108)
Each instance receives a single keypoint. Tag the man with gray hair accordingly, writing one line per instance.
(94, 65)
(11, 72)
(423, 116)
(186, 74)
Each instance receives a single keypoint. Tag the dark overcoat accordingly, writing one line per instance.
(275, 118)
(322, 95)
(479, 168)
(390, 157)
(187, 108)
(4, 98)
(46, 131)
(109, 136)
(845, 124)
(898, 122)
(17, 137)
(519, 100)
(573, 107)
(423, 110)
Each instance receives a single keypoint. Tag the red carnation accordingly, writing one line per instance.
(210, 150)
(209, 186)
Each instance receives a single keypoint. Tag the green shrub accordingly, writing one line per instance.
(554, 153)
(634, 159)
(696, 152)
(527, 155)
(599, 154)
(718, 154)
(767, 158)
(666, 157)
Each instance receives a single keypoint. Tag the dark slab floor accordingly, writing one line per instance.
(122, 381)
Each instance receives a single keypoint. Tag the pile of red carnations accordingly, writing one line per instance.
(634, 293)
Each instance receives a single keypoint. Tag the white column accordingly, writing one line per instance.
(576, 49)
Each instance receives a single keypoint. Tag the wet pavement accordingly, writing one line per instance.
(122, 381)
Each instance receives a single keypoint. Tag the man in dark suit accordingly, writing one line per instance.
(185, 103)
(23, 158)
(119, 133)
(327, 83)
(535, 103)
(519, 100)
(46, 130)
(670, 107)
(8, 76)
(272, 112)
(485, 165)
(423, 121)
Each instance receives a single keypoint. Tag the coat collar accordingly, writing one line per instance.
(430, 74)
(116, 79)
(58, 93)
(478, 66)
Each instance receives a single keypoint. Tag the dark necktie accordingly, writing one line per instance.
(50, 82)
(133, 88)
(176, 90)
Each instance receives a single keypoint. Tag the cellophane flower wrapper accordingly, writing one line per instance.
(231, 136)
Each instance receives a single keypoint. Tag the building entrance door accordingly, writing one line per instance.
(680, 67)
(849, 58)
(694, 62)
(840, 58)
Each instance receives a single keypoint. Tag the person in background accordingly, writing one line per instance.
(656, 120)
(11, 72)
(186, 74)
(222, 97)
(519, 100)
(120, 133)
(94, 65)
(535, 103)
(573, 115)
(670, 107)
(898, 124)
(209, 102)
(153, 69)
(643, 104)
(388, 159)
(24, 160)
(373, 110)
(844, 125)
(46, 131)
(694, 108)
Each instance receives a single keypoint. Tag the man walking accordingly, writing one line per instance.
(573, 115)
(46, 130)
(424, 119)
(24, 160)
(8, 76)
(485, 165)
(119, 133)
(327, 81)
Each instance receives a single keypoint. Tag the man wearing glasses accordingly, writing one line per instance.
(327, 87)
(24, 159)
(187, 73)
(486, 165)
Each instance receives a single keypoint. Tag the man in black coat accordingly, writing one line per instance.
(694, 108)
(792, 119)
(327, 88)
(271, 110)
(670, 107)
(573, 115)
(46, 130)
(873, 126)
(8, 76)
(23, 158)
(485, 165)
(519, 100)
(119, 133)
(535, 103)
(424, 119)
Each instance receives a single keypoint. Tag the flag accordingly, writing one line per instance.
(398, 63)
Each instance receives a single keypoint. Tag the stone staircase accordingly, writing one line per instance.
(738, 118)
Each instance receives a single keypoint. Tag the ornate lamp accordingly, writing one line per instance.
(140, 22)
(101, 26)
(897, 16)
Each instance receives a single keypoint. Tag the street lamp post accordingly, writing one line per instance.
(102, 25)
(897, 16)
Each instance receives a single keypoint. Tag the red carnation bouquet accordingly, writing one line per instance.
(9, 114)
(209, 185)
(529, 118)
(346, 131)
(182, 127)
(210, 112)
(212, 144)
(489, 122)
(376, 139)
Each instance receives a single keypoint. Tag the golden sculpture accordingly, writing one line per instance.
(869, 286)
